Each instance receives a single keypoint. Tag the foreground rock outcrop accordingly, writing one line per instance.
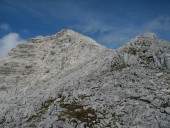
(68, 80)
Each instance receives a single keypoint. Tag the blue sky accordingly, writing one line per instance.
(110, 22)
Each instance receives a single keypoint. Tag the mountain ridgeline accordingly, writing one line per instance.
(68, 80)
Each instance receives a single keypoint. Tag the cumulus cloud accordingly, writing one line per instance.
(8, 42)
(4, 27)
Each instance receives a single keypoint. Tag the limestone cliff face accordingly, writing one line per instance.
(68, 80)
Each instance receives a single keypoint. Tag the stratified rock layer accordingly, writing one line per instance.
(68, 80)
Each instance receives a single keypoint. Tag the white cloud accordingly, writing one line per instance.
(115, 39)
(5, 27)
(8, 42)
(25, 31)
(160, 23)
(93, 27)
(123, 35)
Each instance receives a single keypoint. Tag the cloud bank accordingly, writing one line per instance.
(8, 42)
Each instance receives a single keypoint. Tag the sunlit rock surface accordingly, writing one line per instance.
(67, 80)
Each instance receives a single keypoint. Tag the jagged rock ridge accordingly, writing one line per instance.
(68, 80)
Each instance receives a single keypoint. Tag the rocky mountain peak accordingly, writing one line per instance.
(149, 35)
(68, 80)
(146, 49)
(66, 36)
(144, 39)
(68, 32)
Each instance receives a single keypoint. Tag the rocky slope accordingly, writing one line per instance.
(68, 80)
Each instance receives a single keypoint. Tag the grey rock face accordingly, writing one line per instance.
(68, 80)
(167, 60)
